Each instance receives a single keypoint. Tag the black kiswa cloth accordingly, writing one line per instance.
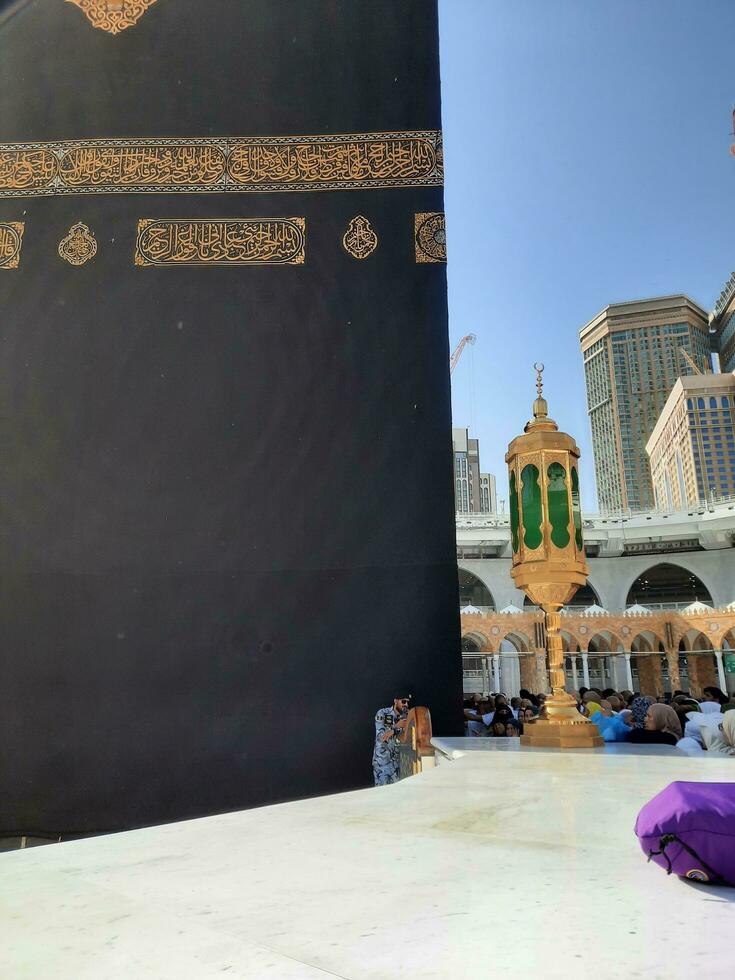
(227, 514)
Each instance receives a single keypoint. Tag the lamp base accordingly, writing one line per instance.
(561, 726)
(561, 735)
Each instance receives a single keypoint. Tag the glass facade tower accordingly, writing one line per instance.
(632, 358)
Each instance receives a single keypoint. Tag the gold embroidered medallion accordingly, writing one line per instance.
(11, 239)
(430, 232)
(220, 241)
(360, 240)
(113, 16)
(79, 246)
(222, 165)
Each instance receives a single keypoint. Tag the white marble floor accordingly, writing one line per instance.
(495, 863)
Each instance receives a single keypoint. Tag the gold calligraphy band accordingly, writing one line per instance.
(227, 165)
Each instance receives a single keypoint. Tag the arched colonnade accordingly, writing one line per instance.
(654, 653)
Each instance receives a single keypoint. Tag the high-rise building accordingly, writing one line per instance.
(474, 491)
(722, 322)
(488, 496)
(692, 447)
(632, 359)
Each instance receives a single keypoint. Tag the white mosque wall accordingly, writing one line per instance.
(612, 578)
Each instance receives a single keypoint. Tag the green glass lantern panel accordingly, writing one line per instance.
(514, 521)
(558, 501)
(576, 510)
(532, 511)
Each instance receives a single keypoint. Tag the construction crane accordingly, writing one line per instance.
(692, 363)
(469, 338)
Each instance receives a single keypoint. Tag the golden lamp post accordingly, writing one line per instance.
(548, 557)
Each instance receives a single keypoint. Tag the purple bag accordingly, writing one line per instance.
(689, 829)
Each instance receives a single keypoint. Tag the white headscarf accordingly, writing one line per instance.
(709, 707)
(722, 742)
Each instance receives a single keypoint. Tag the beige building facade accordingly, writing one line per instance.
(655, 652)
(632, 359)
(692, 446)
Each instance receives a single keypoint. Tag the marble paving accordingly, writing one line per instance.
(494, 863)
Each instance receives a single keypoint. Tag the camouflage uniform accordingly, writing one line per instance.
(385, 754)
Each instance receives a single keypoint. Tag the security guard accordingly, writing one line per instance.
(387, 727)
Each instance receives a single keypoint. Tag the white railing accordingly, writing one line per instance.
(610, 517)
(578, 610)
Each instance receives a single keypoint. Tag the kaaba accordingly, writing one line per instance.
(227, 525)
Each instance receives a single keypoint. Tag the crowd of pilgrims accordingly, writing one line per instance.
(693, 726)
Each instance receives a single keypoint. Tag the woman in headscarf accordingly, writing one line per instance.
(591, 702)
(660, 727)
(616, 703)
(503, 712)
(638, 710)
(527, 713)
(722, 742)
(683, 706)
(513, 728)
(710, 707)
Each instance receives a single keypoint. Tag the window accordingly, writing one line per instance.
(700, 403)
(713, 403)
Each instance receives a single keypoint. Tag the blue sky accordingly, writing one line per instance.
(587, 162)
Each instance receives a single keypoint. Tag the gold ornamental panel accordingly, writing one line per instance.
(430, 231)
(526, 486)
(79, 246)
(113, 16)
(220, 241)
(360, 239)
(11, 239)
(222, 165)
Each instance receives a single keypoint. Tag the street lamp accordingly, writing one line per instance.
(548, 557)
